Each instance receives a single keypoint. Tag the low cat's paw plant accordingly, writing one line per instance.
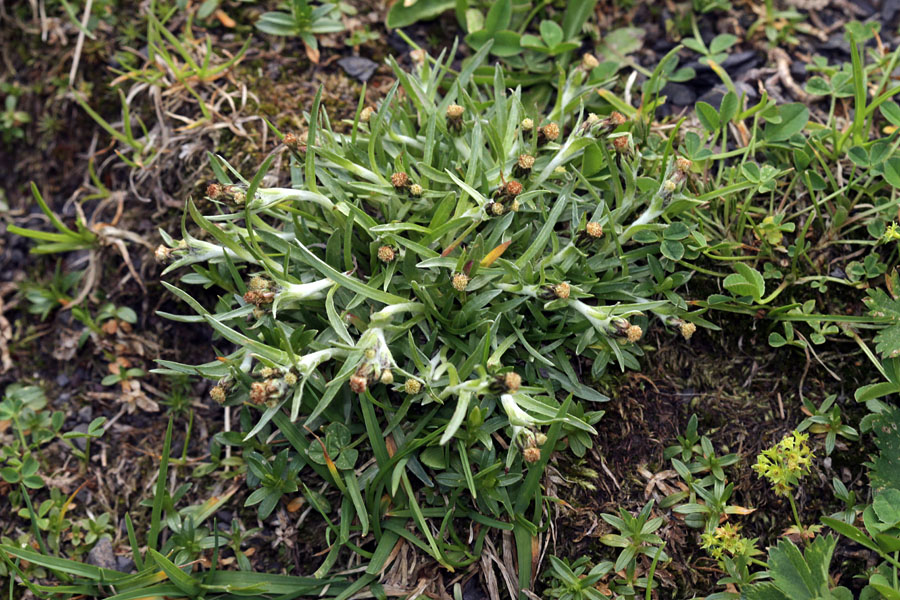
(446, 280)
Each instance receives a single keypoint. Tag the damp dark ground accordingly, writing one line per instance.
(745, 394)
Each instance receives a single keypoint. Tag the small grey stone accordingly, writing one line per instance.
(124, 564)
(62, 380)
(678, 94)
(85, 413)
(358, 67)
(101, 555)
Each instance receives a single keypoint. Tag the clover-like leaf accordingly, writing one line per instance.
(746, 282)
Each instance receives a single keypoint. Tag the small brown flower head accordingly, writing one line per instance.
(455, 117)
(455, 111)
(634, 333)
(366, 114)
(512, 189)
(217, 394)
(531, 454)
(548, 133)
(594, 229)
(215, 191)
(687, 330)
(683, 164)
(387, 377)
(412, 386)
(162, 254)
(527, 124)
(358, 384)
(290, 379)
(496, 209)
(292, 141)
(460, 282)
(620, 143)
(512, 381)
(589, 61)
(416, 190)
(259, 298)
(258, 393)
(400, 180)
(616, 118)
(562, 290)
(386, 254)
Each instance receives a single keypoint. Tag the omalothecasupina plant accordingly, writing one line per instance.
(446, 280)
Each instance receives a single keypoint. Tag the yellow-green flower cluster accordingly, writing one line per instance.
(727, 538)
(785, 463)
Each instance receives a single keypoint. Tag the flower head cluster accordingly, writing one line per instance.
(785, 463)
(727, 539)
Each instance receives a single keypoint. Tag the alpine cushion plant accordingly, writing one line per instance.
(444, 281)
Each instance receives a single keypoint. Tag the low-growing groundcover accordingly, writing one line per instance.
(421, 322)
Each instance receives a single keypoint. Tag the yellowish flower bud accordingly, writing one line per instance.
(460, 281)
(594, 229)
(512, 381)
(217, 394)
(634, 333)
(589, 61)
(455, 111)
(531, 454)
(412, 386)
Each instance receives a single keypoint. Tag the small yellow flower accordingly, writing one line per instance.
(460, 282)
(527, 124)
(562, 290)
(366, 114)
(525, 162)
(512, 381)
(634, 333)
(416, 189)
(589, 61)
(548, 133)
(687, 330)
(412, 386)
(594, 229)
(455, 111)
(217, 394)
